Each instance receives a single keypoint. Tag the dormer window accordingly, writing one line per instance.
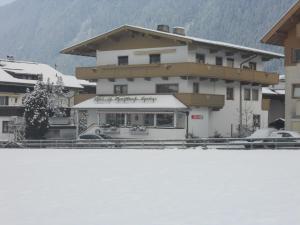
(122, 60)
(219, 61)
(154, 58)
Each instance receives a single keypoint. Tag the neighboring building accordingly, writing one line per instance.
(286, 33)
(274, 95)
(16, 77)
(158, 84)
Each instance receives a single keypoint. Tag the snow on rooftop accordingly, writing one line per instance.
(132, 102)
(195, 39)
(268, 91)
(32, 68)
(280, 92)
(87, 83)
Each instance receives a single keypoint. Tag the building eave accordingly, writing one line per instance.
(276, 35)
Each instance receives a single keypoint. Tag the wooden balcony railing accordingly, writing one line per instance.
(202, 100)
(177, 69)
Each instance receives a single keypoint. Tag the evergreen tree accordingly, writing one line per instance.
(36, 114)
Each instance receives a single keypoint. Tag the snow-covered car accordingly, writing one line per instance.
(287, 138)
(273, 135)
(94, 140)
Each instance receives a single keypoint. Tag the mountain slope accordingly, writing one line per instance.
(38, 29)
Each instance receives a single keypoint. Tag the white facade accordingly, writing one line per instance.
(204, 121)
(213, 121)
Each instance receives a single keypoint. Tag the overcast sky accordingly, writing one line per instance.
(3, 2)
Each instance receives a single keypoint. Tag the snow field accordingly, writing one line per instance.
(133, 187)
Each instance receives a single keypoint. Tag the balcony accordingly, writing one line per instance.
(176, 70)
(202, 100)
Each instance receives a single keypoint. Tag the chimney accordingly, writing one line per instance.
(163, 28)
(179, 31)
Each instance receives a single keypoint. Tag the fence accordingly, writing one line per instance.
(204, 143)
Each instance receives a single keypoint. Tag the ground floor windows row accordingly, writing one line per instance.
(162, 120)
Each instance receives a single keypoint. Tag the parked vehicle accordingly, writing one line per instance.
(95, 140)
(272, 136)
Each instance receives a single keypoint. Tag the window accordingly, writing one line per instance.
(195, 87)
(154, 58)
(165, 120)
(200, 58)
(230, 62)
(296, 55)
(256, 121)
(229, 93)
(5, 127)
(166, 88)
(255, 94)
(115, 119)
(252, 65)
(3, 100)
(219, 61)
(122, 60)
(247, 94)
(120, 89)
(296, 90)
(148, 120)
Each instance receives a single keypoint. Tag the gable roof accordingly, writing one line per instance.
(89, 47)
(278, 32)
(32, 68)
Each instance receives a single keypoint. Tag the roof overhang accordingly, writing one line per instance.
(133, 102)
(279, 31)
(90, 46)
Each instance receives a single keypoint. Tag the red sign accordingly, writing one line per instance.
(197, 117)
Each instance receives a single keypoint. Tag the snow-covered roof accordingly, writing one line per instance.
(77, 49)
(270, 91)
(32, 68)
(280, 92)
(87, 83)
(132, 102)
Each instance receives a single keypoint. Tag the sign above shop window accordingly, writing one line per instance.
(124, 99)
(197, 117)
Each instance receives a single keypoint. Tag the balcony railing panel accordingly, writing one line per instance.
(177, 69)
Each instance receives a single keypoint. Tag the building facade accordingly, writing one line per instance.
(286, 33)
(18, 76)
(219, 85)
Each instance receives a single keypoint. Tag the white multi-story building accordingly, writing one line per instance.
(162, 84)
(18, 76)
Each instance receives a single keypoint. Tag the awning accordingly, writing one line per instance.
(133, 102)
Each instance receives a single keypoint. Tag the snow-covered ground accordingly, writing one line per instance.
(134, 187)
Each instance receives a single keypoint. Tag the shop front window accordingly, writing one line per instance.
(149, 120)
(116, 120)
(165, 120)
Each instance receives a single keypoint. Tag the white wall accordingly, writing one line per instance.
(180, 54)
(199, 127)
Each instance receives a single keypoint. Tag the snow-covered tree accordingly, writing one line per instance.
(45, 101)
(56, 98)
(36, 113)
